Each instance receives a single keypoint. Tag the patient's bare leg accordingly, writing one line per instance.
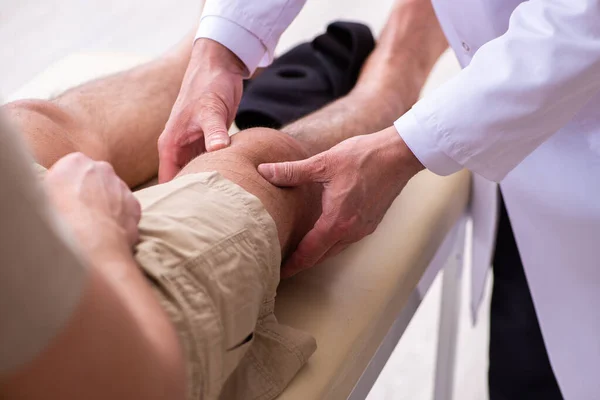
(389, 83)
(387, 87)
(116, 119)
(119, 118)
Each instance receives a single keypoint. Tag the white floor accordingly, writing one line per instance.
(36, 33)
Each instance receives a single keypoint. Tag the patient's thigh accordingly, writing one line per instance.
(294, 210)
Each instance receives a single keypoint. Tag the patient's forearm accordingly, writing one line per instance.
(119, 344)
(390, 82)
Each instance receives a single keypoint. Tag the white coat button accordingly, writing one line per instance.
(466, 47)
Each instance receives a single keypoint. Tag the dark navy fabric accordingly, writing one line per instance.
(519, 364)
(307, 77)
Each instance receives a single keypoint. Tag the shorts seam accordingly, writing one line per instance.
(257, 215)
(284, 342)
(191, 330)
(191, 264)
(260, 368)
(219, 247)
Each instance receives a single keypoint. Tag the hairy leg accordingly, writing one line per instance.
(116, 119)
(389, 83)
(387, 87)
(119, 118)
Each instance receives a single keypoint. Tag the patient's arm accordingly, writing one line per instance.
(84, 323)
(108, 349)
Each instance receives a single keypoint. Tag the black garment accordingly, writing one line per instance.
(307, 77)
(519, 364)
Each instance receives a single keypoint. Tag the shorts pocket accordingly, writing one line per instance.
(234, 355)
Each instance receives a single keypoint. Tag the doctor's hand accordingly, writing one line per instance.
(205, 108)
(361, 177)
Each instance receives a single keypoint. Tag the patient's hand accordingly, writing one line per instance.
(96, 204)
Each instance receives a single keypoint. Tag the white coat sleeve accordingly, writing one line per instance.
(249, 28)
(518, 90)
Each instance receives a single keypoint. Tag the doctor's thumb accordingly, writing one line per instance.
(216, 136)
(285, 174)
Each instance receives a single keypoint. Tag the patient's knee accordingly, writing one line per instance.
(293, 209)
(269, 145)
(296, 209)
(249, 149)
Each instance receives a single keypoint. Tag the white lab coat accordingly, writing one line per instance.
(524, 111)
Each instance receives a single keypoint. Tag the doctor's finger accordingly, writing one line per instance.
(167, 157)
(216, 136)
(335, 250)
(167, 167)
(292, 173)
(311, 249)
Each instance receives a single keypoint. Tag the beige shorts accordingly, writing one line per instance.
(211, 254)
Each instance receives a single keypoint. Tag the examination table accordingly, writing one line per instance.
(357, 304)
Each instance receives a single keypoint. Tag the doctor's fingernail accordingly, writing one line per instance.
(218, 143)
(266, 170)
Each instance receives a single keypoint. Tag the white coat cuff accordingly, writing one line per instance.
(424, 146)
(240, 41)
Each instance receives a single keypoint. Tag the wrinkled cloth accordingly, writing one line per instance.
(212, 256)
